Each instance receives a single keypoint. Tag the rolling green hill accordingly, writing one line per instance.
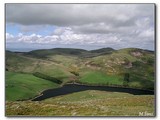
(56, 51)
(44, 53)
(130, 67)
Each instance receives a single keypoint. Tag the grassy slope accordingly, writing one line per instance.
(141, 72)
(112, 65)
(25, 64)
(86, 103)
(53, 70)
(63, 59)
(94, 77)
(27, 85)
(18, 63)
(23, 86)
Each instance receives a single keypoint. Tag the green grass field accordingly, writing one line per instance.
(24, 86)
(86, 103)
(96, 77)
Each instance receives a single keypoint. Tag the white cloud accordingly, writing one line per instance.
(9, 36)
(105, 25)
(66, 37)
(149, 33)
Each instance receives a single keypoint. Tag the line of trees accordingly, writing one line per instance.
(126, 80)
(46, 77)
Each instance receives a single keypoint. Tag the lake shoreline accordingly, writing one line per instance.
(76, 87)
(86, 85)
(115, 86)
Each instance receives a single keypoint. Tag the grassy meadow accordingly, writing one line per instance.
(95, 77)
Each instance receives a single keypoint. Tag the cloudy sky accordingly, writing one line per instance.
(86, 26)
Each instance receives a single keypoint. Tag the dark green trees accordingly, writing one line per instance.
(126, 80)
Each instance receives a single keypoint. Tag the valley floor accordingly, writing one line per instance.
(86, 103)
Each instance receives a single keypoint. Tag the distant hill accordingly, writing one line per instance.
(43, 53)
(103, 50)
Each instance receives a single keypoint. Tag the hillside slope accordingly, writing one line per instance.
(129, 67)
(85, 103)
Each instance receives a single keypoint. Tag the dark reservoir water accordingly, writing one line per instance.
(71, 88)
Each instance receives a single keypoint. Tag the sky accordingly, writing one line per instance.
(85, 26)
